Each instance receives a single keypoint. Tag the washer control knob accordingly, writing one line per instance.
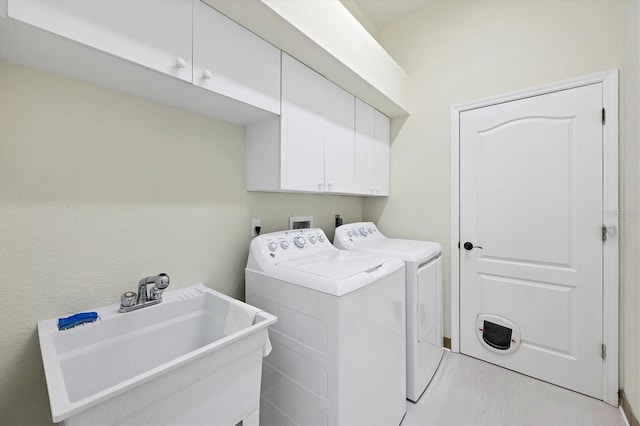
(363, 231)
(349, 234)
(284, 244)
(321, 238)
(273, 246)
(313, 239)
(371, 230)
(299, 241)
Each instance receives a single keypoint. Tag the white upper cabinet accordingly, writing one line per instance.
(313, 141)
(302, 128)
(382, 148)
(156, 34)
(317, 132)
(372, 150)
(339, 134)
(232, 61)
(365, 148)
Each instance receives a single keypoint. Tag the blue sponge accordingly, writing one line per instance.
(73, 320)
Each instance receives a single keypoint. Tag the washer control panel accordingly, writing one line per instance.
(292, 244)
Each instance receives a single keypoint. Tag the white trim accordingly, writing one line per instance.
(624, 416)
(611, 246)
(454, 288)
(609, 80)
(537, 91)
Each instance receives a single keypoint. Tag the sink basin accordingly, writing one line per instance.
(195, 358)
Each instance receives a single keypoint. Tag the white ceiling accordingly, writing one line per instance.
(381, 12)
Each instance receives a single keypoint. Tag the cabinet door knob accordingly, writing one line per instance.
(180, 63)
(206, 74)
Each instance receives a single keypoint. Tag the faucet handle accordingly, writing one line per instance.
(128, 299)
(156, 293)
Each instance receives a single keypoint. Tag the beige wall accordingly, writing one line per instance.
(99, 189)
(460, 51)
(630, 212)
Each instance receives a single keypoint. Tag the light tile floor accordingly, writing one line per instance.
(467, 391)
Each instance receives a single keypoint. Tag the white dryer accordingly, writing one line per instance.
(339, 344)
(424, 296)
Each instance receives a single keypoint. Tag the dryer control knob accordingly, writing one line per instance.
(363, 231)
(313, 239)
(273, 246)
(299, 241)
(371, 230)
(284, 244)
(321, 238)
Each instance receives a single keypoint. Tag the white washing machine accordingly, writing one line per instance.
(424, 296)
(339, 344)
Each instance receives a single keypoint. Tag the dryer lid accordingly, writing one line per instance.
(407, 250)
(337, 265)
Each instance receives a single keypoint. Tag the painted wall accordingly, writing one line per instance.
(99, 189)
(630, 212)
(460, 51)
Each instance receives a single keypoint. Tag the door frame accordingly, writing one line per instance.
(609, 80)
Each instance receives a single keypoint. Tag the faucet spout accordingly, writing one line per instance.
(160, 282)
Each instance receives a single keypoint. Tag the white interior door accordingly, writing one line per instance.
(531, 203)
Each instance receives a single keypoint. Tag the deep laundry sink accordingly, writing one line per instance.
(195, 358)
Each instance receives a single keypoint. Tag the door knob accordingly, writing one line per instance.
(470, 246)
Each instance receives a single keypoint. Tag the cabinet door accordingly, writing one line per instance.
(231, 60)
(339, 139)
(382, 142)
(156, 34)
(365, 148)
(302, 128)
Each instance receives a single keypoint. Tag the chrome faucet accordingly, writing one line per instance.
(131, 301)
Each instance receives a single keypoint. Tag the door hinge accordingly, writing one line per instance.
(604, 116)
(604, 233)
(604, 351)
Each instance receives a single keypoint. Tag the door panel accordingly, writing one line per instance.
(302, 127)
(382, 140)
(513, 194)
(531, 201)
(239, 64)
(147, 32)
(339, 140)
(365, 148)
(528, 298)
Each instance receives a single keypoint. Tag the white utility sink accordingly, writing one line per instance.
(195, 358)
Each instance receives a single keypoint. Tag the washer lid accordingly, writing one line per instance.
(337, 265)
(407, 250)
